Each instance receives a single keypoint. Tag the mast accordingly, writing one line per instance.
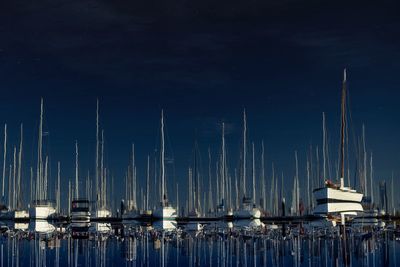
(236, 190)
(39, 186)
(58, 186)
(308, 185)
(19, 198)
(13, 206)
(343, 127)
(133, 177)
(45, 177)
(9, 186)
(244, 151)
(102, 175)
(162, 156)
(223, 170)
(4, 161)
(148, 182)
(296, 188)
(190, 190)
(32, 185)
(254, 176)
(263, 176)
(392, 197)
(271, 204)
(177, 198)
(364, 161)
(69, 196)
(324, 144)
(210, 198)
(371, 179)
(76, 171)
(97, 152)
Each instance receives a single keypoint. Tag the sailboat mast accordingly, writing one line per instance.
(343, 127)
(14, 179)
(324, 145)
(97, 153)
(254, 175)
(244, 151)
(364, 161)
(19, 197)
(45, 177)
(223, 171)
(371, 179)
(162, 160)
(148, 182)
(102, 175)
(41, 151)
(263, 175)
(210, 198)
(133, 177)
(58, 186)
(190, 181)
(4, 161)
(76, 171)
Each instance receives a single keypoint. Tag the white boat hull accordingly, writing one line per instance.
(331, 200)
(80, 216)
(41, 212)
(21, 214)
(165, 213)
(102, 213)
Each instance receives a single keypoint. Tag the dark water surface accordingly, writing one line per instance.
(243, 243)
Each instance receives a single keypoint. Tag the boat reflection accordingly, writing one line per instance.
(41, 227)
(217, 243)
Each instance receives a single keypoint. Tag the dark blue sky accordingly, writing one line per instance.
(202, 61)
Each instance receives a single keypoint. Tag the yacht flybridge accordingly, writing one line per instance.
(336, 198)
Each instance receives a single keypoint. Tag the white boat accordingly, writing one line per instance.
(42, 210)
(102, 213)
(338, 199)
(165, 212)
(247, 211)
(332, 199)
(80, 211)
(21, 214)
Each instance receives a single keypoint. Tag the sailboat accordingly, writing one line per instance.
(42, 207)
(336, 198)
(100, 191)
(164, 211)
(19, 212)
(80, 213)
(132, 212)
(248, 209)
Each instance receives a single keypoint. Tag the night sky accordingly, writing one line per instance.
(202, 62)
